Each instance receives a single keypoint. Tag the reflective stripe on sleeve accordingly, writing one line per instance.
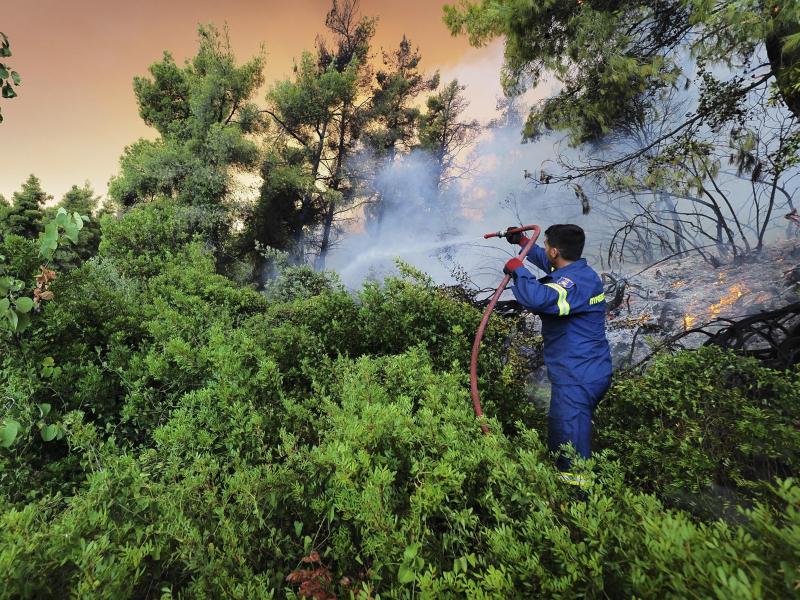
(575, 479)
(597, 299)
(563, 305)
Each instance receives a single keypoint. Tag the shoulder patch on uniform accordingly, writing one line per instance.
(565, 282)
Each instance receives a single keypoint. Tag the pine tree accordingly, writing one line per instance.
(444, 133)
(394, 117)
(25, 215)
(81, 200)
(318, 112)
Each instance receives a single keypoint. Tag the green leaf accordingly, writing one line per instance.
(405, 575)
(4, 305)
(51, 230)
(8, 433)
(71, 232)
(411, 551)
(49, 432)
(48, 240)
(3, 72)
(48, 361)
(44, 408)
(8, 91)
(15, 76)
(62, 218)
(298, 528)
(13, 318)
(24, 319)
(78, 220)
(24, 304)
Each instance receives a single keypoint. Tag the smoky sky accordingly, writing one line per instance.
(76, 110)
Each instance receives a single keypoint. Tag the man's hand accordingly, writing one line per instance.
(511, 266)
(516, 238)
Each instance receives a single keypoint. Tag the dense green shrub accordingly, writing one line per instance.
(140, 240)
(218, 442)
(21, 257)
(704, 425)
(401, 493)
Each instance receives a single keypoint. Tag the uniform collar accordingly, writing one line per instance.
(581, 262)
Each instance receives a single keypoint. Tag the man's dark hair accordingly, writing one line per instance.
(568, 238)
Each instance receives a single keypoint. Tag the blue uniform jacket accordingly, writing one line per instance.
(571, 304)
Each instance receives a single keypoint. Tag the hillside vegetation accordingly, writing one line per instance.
(211, 441)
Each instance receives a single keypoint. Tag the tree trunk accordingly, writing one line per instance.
(336, 182)
(306, 203)
(667, 200)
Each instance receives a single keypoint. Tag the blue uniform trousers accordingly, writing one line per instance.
(570, 418)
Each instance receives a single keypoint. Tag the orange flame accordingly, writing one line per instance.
(735, 292)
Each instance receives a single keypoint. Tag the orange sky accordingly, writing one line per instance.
(76, 111)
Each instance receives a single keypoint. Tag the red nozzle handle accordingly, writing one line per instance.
(509, 230)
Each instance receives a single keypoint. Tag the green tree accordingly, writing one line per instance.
(4, 208)
(609, 55)
(397, 86)
(203, 113)
(394, 116)
(81, 200)
(619, 63)
(303, 111)
(352, 35)
(9, 78)
(24, 218)
(276, 220)
(445, 134)
(320, 111)
(205, 118)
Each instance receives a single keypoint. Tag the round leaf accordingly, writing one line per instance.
(405, 575)
(49, 432)
(71, 232)
(8, 433)
(24, 304)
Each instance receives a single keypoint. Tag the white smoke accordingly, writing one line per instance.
(438, 232)
(442, 232)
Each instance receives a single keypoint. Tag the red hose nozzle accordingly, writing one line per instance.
(508, 231)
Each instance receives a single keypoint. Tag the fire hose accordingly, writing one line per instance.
(476, 345)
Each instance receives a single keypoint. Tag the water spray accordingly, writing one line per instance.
(476, 345)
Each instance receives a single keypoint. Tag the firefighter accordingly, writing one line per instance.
(571, 304)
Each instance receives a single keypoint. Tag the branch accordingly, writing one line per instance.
(585, 171)
(285, 127)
